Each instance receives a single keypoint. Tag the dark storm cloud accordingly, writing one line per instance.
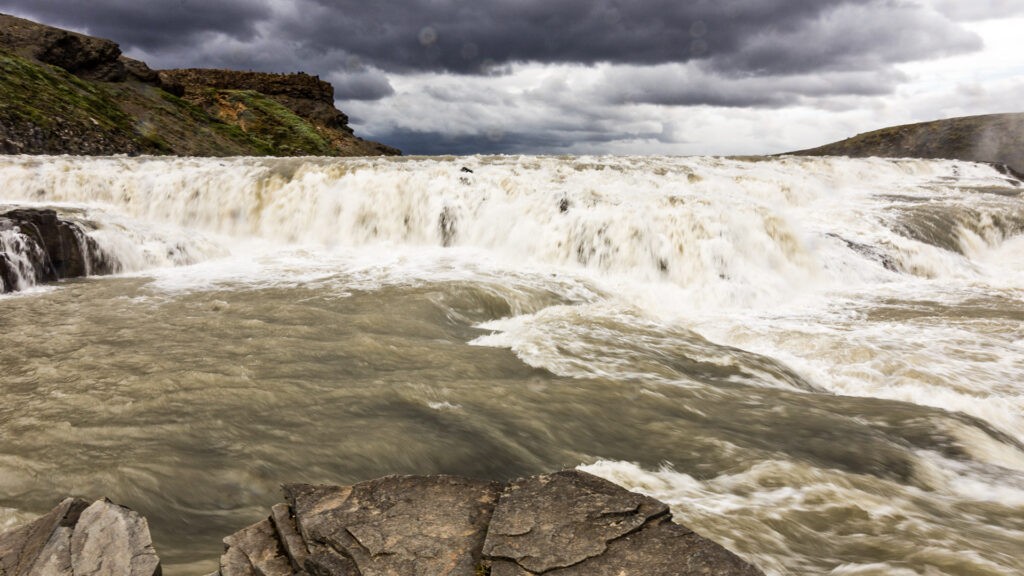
(146, 24)
(476, 36)
(360, 85)
(738, 36)
(691, 86)
(497, 141)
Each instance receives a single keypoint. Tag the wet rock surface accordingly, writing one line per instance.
(564, 524)
(37, 246)
(567, 523)
(77, 538)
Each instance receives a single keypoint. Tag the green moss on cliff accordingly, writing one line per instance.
(52, 106)
(45, 109)
(274, 128)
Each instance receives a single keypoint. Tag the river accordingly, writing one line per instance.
(818, 362)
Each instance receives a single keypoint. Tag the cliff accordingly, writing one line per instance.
(68, 93)
(993, 138)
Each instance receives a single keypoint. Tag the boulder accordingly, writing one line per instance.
(396, 525)
(77, 538)
(38, 246)
(575, 524)
(564, 524)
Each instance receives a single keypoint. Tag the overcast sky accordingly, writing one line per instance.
(595, 76)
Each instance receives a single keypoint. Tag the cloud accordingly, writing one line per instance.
(762, 37)
(969, 10)
(149, 25)
(364, 84)
(571, 76)
(692, 85)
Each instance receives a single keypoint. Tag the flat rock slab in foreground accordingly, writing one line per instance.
(81, 539)
(568, 523)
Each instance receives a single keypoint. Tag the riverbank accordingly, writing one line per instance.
(563, 524)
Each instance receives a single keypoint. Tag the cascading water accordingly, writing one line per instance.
(817, 361)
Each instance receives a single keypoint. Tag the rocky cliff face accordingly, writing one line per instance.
(227, 96)
(993, 138)
(68, 93)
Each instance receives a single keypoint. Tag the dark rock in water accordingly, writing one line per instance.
(876, 254)
(568, 523)
(466, 170)
(37, 246)
(77, 538)
(446, 224)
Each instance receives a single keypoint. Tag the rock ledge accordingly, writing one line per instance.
(563, 524)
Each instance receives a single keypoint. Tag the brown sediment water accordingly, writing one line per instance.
(817, 362)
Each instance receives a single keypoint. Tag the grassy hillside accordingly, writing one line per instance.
(45, 109)
(62, 92)
(997, 138)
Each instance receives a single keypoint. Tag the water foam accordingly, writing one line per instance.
(730, 232)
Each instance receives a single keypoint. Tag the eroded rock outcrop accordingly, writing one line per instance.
(68, 93)
(564, 524)
(308, 97)
(84, 56)
(37, 246)
(77, 538)
(568, 523)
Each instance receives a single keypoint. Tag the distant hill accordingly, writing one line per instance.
(68, 93)
(995, 138)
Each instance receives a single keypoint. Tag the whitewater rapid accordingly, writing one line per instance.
(896, 281)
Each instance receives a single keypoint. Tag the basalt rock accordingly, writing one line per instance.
(84, 56)
(62, 92)
(565, 524)
(37, 246)
(308, 97)
(77, 538)
(575, 524)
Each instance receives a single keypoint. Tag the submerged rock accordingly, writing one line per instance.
(78, 538)
(37, 246)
